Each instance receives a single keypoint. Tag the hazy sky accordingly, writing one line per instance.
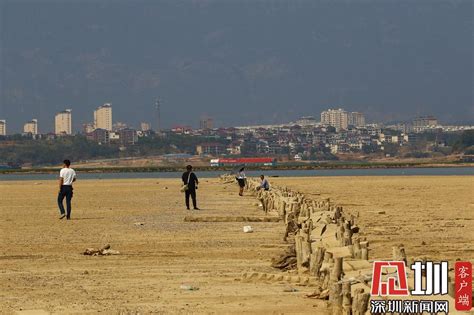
(241, 62)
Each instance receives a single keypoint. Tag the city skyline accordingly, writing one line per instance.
(102, 119)
(78, 126)
(339, 118)
(238, 63)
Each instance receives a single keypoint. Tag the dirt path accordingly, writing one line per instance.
(42, 267)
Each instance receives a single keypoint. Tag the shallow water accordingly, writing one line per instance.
(444, 171)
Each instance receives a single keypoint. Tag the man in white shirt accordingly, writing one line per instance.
(66, 177)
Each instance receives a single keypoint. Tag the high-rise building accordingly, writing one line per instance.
(3, 127)
(31, 127)
(337, 118)
(103, 117)
(63, 123)
(356, 119)
(206, 123)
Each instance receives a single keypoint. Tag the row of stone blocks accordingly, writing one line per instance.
(327, 242)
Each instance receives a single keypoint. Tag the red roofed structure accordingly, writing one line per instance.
(244, 161)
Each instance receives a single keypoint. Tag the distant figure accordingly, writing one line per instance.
(66, 177)
(264, 184)
(241, 180)
(190, 179)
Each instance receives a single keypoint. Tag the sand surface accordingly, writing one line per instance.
(42, 267)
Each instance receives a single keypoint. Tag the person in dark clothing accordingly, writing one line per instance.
(190, 179)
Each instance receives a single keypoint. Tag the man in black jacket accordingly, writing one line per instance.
(190, 179)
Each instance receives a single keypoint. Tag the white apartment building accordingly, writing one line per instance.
(337, 118)
(3, 127)
(31, 127)
(63, 123)
(103, 117)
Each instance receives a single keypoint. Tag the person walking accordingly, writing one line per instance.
(66, 177)
(190, 182)
(241, 180)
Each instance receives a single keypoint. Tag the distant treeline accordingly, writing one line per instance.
(465, 143)
(19, 150)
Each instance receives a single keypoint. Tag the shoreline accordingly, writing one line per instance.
(282, 167)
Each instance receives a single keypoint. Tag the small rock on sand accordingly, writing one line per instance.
(248, 229)
(188, 287)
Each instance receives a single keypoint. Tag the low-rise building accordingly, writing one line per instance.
(182, 129)
(422, 123)
(306, 121)
(144, 126)
(99, 135)
(234, 148)
(211, 148)
(114, 137)
(340, 148)
(410, 137)
(128, 136)
(88, 128)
